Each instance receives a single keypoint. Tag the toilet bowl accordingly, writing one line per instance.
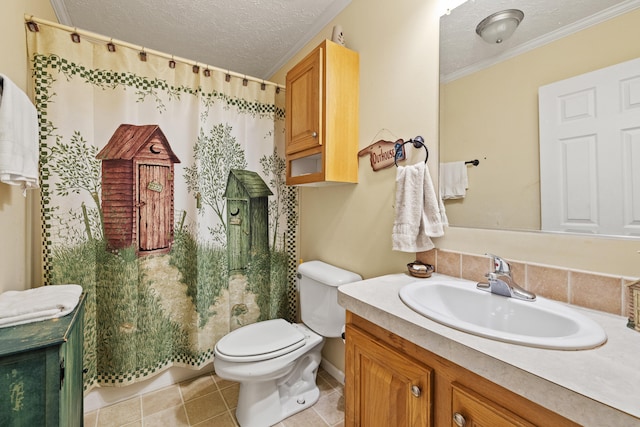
(275, 361)
(278, 382)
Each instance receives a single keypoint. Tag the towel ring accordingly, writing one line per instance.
(417, 142)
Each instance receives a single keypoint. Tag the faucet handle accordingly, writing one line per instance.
(500, 265)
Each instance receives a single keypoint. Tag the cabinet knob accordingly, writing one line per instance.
(415, 390)
(314, 134)
(458, 418)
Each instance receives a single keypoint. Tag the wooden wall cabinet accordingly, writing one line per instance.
(382, 369)
(41, 372)
(322, 117)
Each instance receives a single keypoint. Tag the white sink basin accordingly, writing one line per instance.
(541, 323)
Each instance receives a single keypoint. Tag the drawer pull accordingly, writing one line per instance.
(314, 134)
(458, 418)
(415, 390)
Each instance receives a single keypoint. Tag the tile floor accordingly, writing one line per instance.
(211, 401)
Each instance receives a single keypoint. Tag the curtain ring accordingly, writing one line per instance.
(75, 37)
(32, 26)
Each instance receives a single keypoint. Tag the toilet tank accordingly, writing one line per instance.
(318, 285)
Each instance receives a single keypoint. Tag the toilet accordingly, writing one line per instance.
(275, 361)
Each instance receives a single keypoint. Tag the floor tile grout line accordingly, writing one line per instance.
(318, 412)
(320, 415)
(186, 415)
(184, 408)
(141, 412)
(226, 404)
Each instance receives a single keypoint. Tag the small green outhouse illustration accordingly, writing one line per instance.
(247, 218)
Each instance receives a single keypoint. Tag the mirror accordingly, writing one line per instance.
(489, 96)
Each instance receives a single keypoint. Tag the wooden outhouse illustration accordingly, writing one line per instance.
(137, 189)
(247, 218)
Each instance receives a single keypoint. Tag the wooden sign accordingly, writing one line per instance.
(381, 153)
(155, 186)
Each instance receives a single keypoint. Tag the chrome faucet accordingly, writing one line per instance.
(500, 281)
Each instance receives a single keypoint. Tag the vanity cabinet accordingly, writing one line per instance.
(388, 388)
(322, 117)
(41, 372)
(382, 368)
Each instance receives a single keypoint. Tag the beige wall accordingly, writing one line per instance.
(16, 211)
(492, 115)
(350, 225)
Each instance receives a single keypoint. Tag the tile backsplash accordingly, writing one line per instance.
(601, 292)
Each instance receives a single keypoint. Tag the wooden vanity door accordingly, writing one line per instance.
(388, 388)
(470, 409)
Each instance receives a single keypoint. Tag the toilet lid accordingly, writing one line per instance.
(261, 341)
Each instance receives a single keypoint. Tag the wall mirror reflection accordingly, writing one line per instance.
(489, 97)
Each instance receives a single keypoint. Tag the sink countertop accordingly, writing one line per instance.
(596, 387)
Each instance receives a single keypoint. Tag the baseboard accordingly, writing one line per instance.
(100, 397)
(332, 370)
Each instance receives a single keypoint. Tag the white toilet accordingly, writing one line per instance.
(275, 361)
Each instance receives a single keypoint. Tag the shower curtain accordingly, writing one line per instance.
(163, 195)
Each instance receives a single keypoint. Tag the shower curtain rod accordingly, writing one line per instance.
(101, 38)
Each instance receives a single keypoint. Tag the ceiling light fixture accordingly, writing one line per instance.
(500, 26)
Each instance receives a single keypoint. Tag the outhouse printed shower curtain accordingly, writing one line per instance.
(163, 195)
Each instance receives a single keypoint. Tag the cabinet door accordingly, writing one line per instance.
(384, 387)
(470, 409)
(29, 385)
(303, 104)
(72, 385)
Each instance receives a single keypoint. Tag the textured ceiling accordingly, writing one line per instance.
(251, 37)
(544, 20)
(257, 37)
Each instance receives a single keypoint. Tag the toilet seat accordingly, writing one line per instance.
(260, 341)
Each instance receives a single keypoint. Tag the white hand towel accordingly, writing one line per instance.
(453, 180)
(418, 214)
(18, 137)
(32, 305)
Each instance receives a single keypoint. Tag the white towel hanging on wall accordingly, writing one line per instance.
(419, 212)
(453, 180)
(18, 137)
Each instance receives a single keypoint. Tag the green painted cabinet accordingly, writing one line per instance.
(41, 380)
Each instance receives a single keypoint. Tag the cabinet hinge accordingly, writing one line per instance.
(61, 373)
